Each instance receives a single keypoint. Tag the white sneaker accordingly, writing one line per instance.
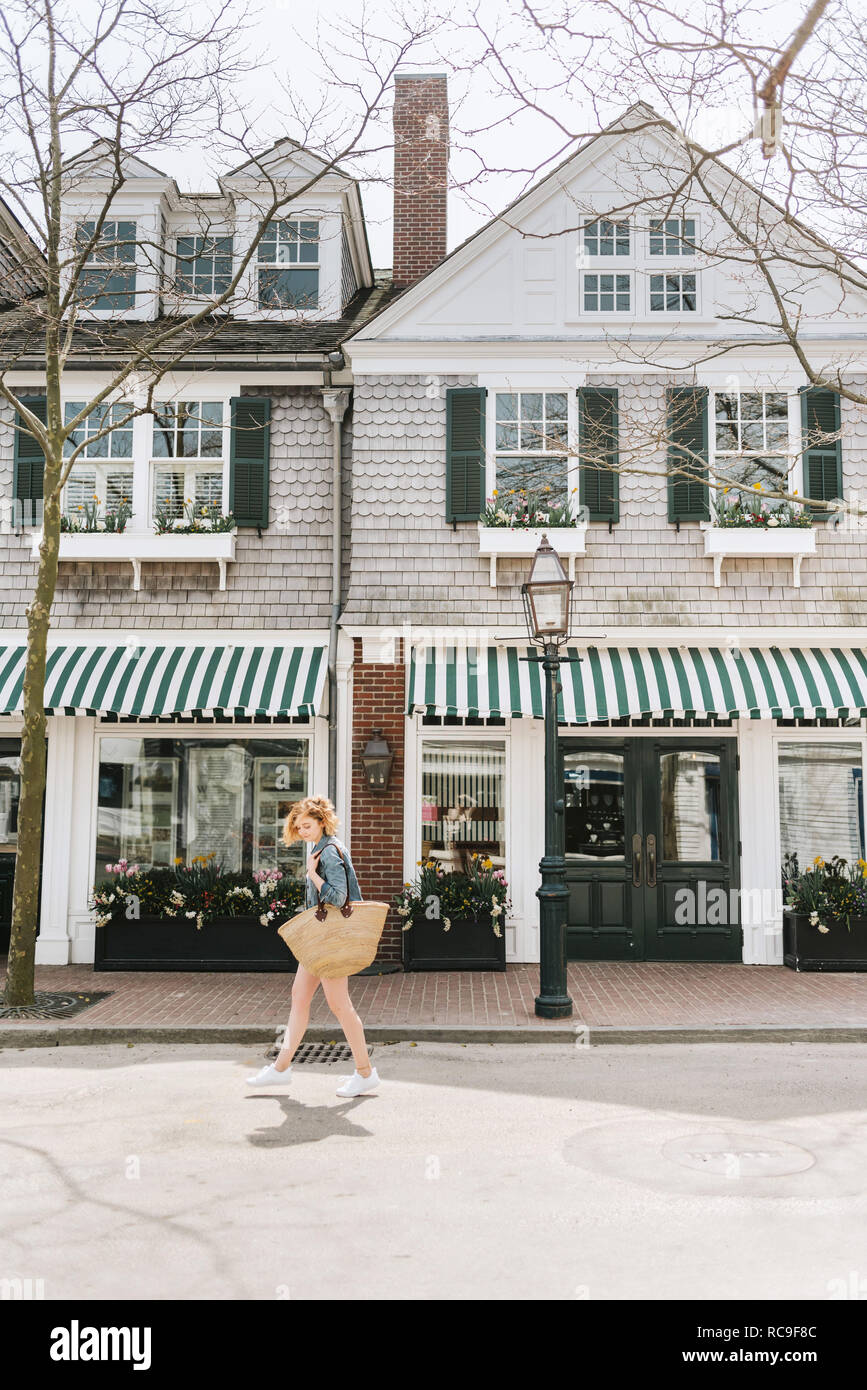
(356, 1084)
(269, 1076)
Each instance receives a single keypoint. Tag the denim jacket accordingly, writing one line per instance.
(331, 869)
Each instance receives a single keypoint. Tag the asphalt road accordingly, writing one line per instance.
(481, 1171)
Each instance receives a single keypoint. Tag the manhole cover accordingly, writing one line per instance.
(738, 1155)
(319, 1052)
(49, 1005)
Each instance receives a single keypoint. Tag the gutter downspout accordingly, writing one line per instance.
(335, 402)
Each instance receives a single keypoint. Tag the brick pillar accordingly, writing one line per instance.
(377, 817)
(421, 154)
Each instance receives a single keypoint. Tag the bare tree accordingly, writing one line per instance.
(87, 94)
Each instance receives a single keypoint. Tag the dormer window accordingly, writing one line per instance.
(288, 265)
(107, 278)
(203, 265)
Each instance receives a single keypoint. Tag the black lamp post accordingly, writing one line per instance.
(547, 607)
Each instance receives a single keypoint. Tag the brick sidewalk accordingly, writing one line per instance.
(609, 995)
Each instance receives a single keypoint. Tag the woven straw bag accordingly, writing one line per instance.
(332, 941)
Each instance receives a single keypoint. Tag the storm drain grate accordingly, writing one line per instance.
(321, 1052)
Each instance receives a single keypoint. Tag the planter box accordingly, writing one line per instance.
(742, 542)
(501, 542)
(174, 943)
(467, 945)
(806, 948)
(136, 546)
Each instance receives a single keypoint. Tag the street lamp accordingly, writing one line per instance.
(547, 598)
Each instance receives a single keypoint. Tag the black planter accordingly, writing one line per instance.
(468, 945)
(806, 948)
(175, 943)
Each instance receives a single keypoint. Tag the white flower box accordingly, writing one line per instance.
(775, 542)
(501, 542)
(137, 546)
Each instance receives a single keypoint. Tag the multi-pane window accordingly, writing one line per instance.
(288, 267)
(672, 236)
(203, 264)
(531, 438)
(605, 237)
(751, 438)
(821, 801)
(191, 434)
(103, 471)
(607, 294)
(672, 294)
(107, 278)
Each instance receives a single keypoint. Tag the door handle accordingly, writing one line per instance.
(636, 861)
(651, 861)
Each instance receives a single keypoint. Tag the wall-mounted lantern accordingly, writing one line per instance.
(376, 761)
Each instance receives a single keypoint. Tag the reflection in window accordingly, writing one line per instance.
(163, 799)
(689, 785)
(462, 803)
(821, 801)
(593, 793)
(10, 793)
(531, 427)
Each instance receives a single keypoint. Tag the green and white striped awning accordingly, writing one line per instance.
(622, 682)
(152, 679)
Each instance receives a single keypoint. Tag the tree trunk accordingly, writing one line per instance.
(25, 899)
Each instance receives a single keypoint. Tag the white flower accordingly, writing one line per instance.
(178, 898)
(446, 924)
(178, 523)
(814, 918)
(189, 914)
(772, 521)
(403, 911)
(199, 921)
(206, 524)
(495, 911)
(264, 919)
(821, 928)
(406, 925)
(497, 931)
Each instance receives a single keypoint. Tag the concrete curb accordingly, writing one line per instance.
(39, 1034)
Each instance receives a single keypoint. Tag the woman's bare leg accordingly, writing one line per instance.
(340, 1004)
(303, 990)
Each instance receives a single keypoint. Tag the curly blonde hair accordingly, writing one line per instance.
(319, 807)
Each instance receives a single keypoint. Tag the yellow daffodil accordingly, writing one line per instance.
(819, 861)
(757, 486)
(179, 859)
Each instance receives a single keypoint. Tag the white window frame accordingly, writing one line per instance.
(190, 465)
(137, 294)
(679, 270)
(614, 256)
(796, 477)
(627, 272)
(573, 468)
(451, 733)
(316, 265)
(663, 258)
(177, 234)
(100, 465)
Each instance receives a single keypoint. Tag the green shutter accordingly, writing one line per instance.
(29, 472)
(823, 463)
(687, 437)
(465, 453)
(251, 439)
(598, 453)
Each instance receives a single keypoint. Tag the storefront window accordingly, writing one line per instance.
(463, 802)
(10, 793)
(161, 800)
(821, 801)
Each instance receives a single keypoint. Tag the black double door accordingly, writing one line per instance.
(652, 851)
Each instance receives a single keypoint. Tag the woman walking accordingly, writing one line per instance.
(330, 879)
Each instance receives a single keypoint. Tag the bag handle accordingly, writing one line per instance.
(321, 912)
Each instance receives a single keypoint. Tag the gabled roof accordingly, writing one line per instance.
(18, 255)
(639, 116)
(284, 148)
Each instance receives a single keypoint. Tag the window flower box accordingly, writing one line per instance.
(173, 943)
(138, 546)
(742, 542)
(503, 542)
(469, 944)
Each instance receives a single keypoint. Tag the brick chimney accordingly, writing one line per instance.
(421, 152)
